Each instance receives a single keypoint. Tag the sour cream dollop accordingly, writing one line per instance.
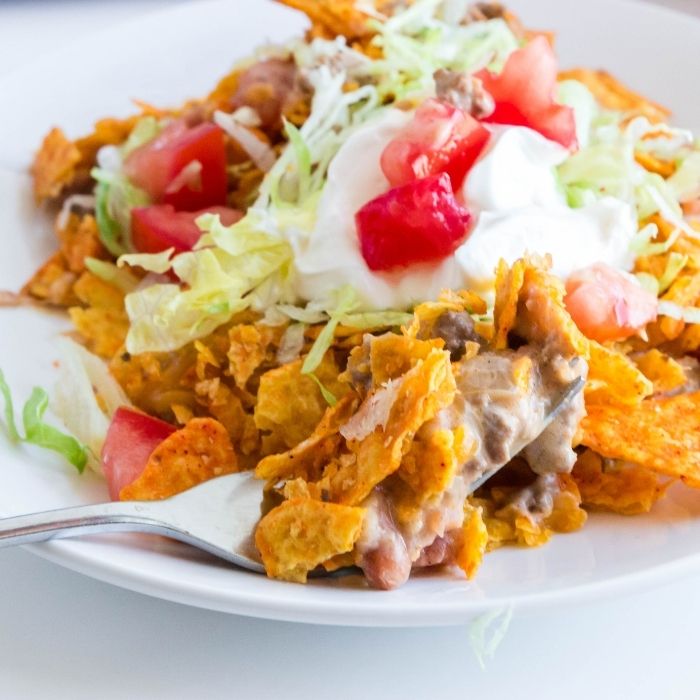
(513, 191)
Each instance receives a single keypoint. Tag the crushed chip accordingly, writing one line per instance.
(54, 165)
(392, 355)
(290, 404)
(622, 488)
(299, 534)
(509, 282)
(307, 458)
(198, 452)
(425, 389)
(612, 94)
(665, 373)
(474, 539)
(662, 434)
(614, 378)
(53, 282)
(685, 291)
(542, 317)
(331, 18)
(250, 347)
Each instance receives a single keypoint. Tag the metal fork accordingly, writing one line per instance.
(218, 516)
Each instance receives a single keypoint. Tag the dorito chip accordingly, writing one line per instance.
(298, 535)
(306, 459)
(612, 94)
(622, 488)
(509, 282)
(613, 378)
(249, 349)
(53, 282)
(103, 324)
(474, 538)
(392, 355)
(661, 434)
(80, 239)
(685, 291)
(54, 165)
(424, 390)
(198, 452)
(665, 373)
(508, 522)
(433, 459)
(290, 404)
(542, 317)
(331, 18)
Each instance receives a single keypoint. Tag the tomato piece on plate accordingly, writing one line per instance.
(130, 441)
(159, 227)
(441, 138)
(418, 222)
(183, 166)
(524, 93)
(607, 305)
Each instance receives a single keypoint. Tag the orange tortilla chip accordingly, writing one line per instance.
(613, 378)
(306, 459)
(80, 239)
(198, 452)
(612, 94)
(542, 317)
(53, 283)
(250, 347)
(621, 488)
(424, 390)
(290, 404)
(509, 282)
(474, 539)
(685, 291)
(331, 18)
(392, 355)
(298, 535)
(660, 434)
(54, 165)
(665, 373)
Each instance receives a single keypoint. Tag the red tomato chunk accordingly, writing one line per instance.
(130, 441)
(157, 228)
(524, 93)
(440, 138)
(414, 223)
(182, 166)
(607, 305)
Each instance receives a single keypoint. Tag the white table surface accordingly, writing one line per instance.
(64, 636)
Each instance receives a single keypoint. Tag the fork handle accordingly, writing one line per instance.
(81, 520)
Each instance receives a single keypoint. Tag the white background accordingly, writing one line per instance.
(66, 636)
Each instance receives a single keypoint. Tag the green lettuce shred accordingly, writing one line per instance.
(37, 431)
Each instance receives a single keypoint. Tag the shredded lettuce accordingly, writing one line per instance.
(145, 130)
(115, 197)
(328, 396)
(346, 300)
(675, 263)
(9, 412)
(110, 273)
(376, 319)
(576, 95)
(641, 243)
(607, 167)
(151, 262)
(688, 314)
(649, 282)
(83, 378)
(219, 282)
(487, 632)
(37, 431)
(685, 182)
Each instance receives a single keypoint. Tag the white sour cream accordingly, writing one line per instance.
(512, 190)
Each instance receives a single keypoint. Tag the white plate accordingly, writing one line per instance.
(181, 52)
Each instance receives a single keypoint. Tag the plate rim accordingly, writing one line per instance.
(452, 612)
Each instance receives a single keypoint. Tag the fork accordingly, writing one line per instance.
(218, 516)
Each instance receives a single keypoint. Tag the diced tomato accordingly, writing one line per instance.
(417, 222)
(183, 166)
(524, 93)
(131, 438)
(440, 139)
(159, 227)
(607, 305)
